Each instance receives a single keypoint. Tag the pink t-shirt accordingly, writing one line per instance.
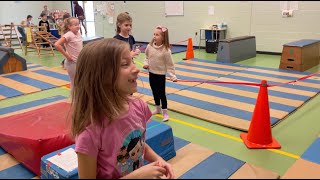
(118, 147)
(73, 44)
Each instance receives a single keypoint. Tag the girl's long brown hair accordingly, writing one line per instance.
(95, 96)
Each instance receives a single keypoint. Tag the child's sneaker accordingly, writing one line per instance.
(165, 115)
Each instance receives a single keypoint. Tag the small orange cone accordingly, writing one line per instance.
(189, 54)
(259, 135)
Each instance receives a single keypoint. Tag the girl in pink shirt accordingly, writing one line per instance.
(72, 41)
(108, 124)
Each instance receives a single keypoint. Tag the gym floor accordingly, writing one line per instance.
(295, 134)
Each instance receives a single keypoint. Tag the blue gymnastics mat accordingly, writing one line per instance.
(308, 166)
(312, 153)
(30, 81)
(192, 161)
(232, 105)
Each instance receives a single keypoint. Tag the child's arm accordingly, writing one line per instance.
(146, 61)
(152, 156)
(134, 53)
(170, 67)
(58, 46)
(87, 166)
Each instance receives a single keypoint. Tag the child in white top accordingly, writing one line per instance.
(159, 62)
(72, 41)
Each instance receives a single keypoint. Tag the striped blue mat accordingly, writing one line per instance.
(41, 84)
(283, 99)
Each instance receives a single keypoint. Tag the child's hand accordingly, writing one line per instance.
(68, 57)
(149, 171)
(145, 66)
(137, 51)
(169, 171)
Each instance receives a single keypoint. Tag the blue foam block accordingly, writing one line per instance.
(159, 137)
(312, 153)
(216, 166)
(51, 171)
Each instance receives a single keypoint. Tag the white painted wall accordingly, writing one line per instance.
(262, 19)
(258, 18)
(16, 11)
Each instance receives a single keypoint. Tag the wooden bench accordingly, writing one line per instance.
(300, 55)
(236, 49)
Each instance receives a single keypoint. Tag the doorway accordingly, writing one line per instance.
(89, 20)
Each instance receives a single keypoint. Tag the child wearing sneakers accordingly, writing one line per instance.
(159, 61)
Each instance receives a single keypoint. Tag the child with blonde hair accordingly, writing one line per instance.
(72, 41)
(108, 124)
(60, 27)
(159, 61)
(124, 27)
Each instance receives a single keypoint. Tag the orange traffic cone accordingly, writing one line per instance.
(189, 54)
(259, 135)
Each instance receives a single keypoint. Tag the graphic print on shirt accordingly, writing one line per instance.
(130, 155)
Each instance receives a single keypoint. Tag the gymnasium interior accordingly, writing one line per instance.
(245, 104)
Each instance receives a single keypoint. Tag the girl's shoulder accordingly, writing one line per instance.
(137, 101)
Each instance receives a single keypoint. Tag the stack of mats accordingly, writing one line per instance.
(34, 80)
(308, 167)
(229, 104)
(9, 166)
(189, 160)
(30, 135)
(159, 137)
